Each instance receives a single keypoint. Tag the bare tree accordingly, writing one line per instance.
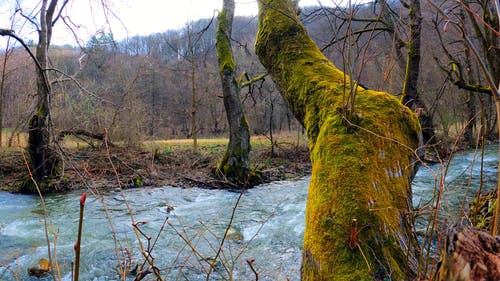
(235, 164)
(478, 24)
(486, 58)
(194, 51)
(411, 95)
(3, 78)
(43, 159)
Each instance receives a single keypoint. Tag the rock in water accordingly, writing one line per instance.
(40, 269)
(469, 255)
(234, 233)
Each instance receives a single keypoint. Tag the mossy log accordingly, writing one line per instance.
(358, 222)
(82, 134)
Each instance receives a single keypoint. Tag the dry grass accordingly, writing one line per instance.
(19, 140)
(161, 162)
(256, 141)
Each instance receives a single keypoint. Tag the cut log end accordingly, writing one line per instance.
(469, 254)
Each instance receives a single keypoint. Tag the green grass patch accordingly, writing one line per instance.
(209, 146)
(216, 145)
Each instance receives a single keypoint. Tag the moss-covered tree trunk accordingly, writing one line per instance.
(358, 220)
(235, 164)
(42, 158)
(411, 96)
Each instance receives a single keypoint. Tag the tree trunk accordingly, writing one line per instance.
(235, 165)
(154, 113)
(410, 93)
(471, 119)
(411, 97)
(471, 100)
(358, 222)
(271, 121)
(6, 55)
(194, 105)
(469, 255)
(42, 158)
(2, 89)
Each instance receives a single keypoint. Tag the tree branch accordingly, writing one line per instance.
(357, 32)
(472, 47)
(472, 87)
(33, 22)
(80, 132)
(478, 17)
(59, 13)
(460, 81)
(77, 83)
(253, 80)
(8, 32)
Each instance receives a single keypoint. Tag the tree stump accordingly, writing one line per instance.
(469, 254)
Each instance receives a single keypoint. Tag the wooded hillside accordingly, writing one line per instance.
(144, 84)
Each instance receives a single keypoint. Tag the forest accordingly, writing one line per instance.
(368, 130)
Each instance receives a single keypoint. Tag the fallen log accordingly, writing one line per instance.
(79, 133)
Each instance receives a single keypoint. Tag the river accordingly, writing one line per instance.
(270, 219)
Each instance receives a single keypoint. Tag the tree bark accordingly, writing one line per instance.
(194, 102)
(469, 254)
(470, 103)
(2, 88)
(42, 158)
(235, 164)
(410, 91)
(358, 223)
(411, 97)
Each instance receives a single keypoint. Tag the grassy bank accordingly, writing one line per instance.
(156, 163)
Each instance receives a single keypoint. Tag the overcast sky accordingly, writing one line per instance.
(138, 17)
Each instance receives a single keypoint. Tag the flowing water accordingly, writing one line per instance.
(269, 217)
(460, 186)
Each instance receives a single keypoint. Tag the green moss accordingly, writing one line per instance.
(224, 54)
(137, 181)
(234, 166)
(481, 210)
(346, 157)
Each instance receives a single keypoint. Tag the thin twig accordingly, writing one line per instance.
(250, 263)
(478, 17)
(79, 237)
(231, 219)
(129, 209)
(45, 214)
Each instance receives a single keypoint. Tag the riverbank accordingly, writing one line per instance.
(155, 164)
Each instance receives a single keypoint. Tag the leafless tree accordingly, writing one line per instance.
(235, 165)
